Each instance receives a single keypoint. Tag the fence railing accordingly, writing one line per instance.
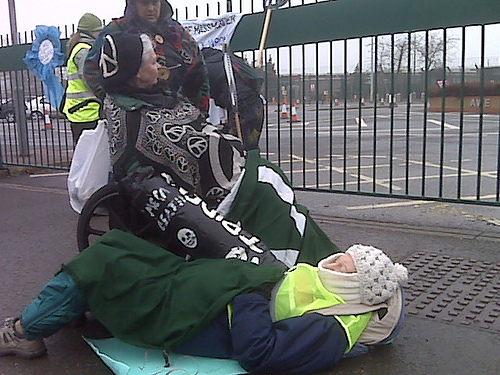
(397, 112)
(387, 124)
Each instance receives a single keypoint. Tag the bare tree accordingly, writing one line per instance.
(431, 50)
(414, 51)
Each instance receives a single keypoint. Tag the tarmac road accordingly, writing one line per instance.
(37, 234)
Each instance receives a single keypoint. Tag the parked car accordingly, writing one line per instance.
(37, 107)
(8, 111)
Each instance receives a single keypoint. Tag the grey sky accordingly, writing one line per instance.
(67, 12)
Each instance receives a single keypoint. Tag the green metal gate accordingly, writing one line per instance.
(378, 97)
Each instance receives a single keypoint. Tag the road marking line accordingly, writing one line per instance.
(34, 188)
(49, 174)
(445, 124)
(388, 205)
(413, 132)
(491, 174)
(492, 221)
(411, 203)
(464, 172)
(366, 179)
(358, 121)
(272, 125)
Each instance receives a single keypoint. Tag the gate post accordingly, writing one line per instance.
(21, 123)
(2, 168)
(17, 92)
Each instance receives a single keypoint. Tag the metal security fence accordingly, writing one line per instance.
(407, 110)
(386, 98)
(42, 136)
(388, 122)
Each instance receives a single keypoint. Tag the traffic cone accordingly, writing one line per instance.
(294, 113)
(48, 124)
(284, 111)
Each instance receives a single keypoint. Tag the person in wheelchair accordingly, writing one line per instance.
(149, 125)
(175, 49)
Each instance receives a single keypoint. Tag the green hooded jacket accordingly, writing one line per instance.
(149, 297)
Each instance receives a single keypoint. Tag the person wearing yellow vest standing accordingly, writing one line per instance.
(81, 106)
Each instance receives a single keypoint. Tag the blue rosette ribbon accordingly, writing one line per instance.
(43, 58)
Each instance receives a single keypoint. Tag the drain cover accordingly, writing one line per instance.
(458, 291)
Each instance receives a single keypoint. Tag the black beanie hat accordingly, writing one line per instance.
(121, 58)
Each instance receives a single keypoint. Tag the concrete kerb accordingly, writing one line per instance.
(9, 171)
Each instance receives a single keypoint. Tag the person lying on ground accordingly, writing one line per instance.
(299, 321)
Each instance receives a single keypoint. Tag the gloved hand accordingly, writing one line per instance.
(147, 192)
(132, 184)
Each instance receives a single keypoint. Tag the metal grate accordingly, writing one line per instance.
(457, 291)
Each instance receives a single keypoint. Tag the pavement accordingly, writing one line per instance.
(451, 250)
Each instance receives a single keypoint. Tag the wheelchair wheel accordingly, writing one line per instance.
(107, 209)
(104, 210)
(94, 220)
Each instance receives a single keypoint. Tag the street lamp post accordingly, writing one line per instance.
(17, 94)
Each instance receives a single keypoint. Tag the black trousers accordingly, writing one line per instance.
(78, 127)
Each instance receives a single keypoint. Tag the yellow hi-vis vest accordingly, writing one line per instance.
(77, 92)
(302, 291)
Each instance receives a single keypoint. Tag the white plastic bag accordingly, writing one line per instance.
(90, 166)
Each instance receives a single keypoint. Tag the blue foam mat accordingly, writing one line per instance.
(125, 359)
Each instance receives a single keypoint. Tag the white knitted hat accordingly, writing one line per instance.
(378, 276)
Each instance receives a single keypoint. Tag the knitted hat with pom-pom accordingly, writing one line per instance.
(378, 276)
